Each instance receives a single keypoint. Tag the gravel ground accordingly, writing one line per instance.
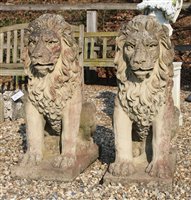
(89, 184)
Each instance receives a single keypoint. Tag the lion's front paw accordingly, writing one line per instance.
(122, 168)
(64, 161)
(159, 169)
(31, 159)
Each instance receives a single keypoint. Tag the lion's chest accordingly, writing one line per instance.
(50, 105)
(141, 103)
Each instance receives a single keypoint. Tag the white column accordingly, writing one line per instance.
(91, 21)
(176, 88)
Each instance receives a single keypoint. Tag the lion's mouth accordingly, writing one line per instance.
(39, 66)
(142, 68)
(141, 71)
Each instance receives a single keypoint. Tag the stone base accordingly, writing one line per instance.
(141, 177)
(45, 170)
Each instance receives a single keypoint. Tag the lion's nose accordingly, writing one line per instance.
(37, 55)
(139, 57)
(38, 51)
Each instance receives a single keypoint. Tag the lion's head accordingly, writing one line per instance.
(51, 61)
(144, 56)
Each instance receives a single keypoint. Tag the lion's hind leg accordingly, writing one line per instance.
(123, 165)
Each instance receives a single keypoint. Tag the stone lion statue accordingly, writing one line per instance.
(54, 90)
(144, 56)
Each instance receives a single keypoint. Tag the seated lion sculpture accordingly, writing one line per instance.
(144, 102)
(54, 91)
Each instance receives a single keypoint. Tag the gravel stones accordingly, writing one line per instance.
(89, 184)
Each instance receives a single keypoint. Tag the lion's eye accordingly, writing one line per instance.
(32, 42)
(51, 42)
(151, 45)
(130, 47)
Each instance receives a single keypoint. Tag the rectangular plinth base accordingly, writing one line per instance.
(46, 171)
(142, 177)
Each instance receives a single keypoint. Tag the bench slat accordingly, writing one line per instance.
(13, 27)
(12, 69)
(1, 46)
(86, 48)
(11, 65)
(8, 46)
(15, 47)
(92, 48)
(104, 47)
(99, 62)
(22, 43)
(100, 34)
(12, 72)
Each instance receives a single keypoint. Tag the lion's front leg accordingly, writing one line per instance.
(70, 131)
(160, 164)
(123, 165)
(35, 135)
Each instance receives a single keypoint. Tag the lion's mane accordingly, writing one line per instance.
(142, 100)
(50, 93)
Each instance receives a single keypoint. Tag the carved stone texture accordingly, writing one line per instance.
(55, 103)
(144, 106)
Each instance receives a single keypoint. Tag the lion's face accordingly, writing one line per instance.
(141, 50)
(50, 57)
(44, 50)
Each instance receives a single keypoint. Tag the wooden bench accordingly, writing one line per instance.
(11, 46)
(94, 48)
(97, 46)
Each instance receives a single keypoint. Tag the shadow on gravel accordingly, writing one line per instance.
(22, 132)
(108, 100)
(92, 76)
(104, 138)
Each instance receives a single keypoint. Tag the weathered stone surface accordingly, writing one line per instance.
(144, 106)
(86, 155)
(54, 104)
(140, 176)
